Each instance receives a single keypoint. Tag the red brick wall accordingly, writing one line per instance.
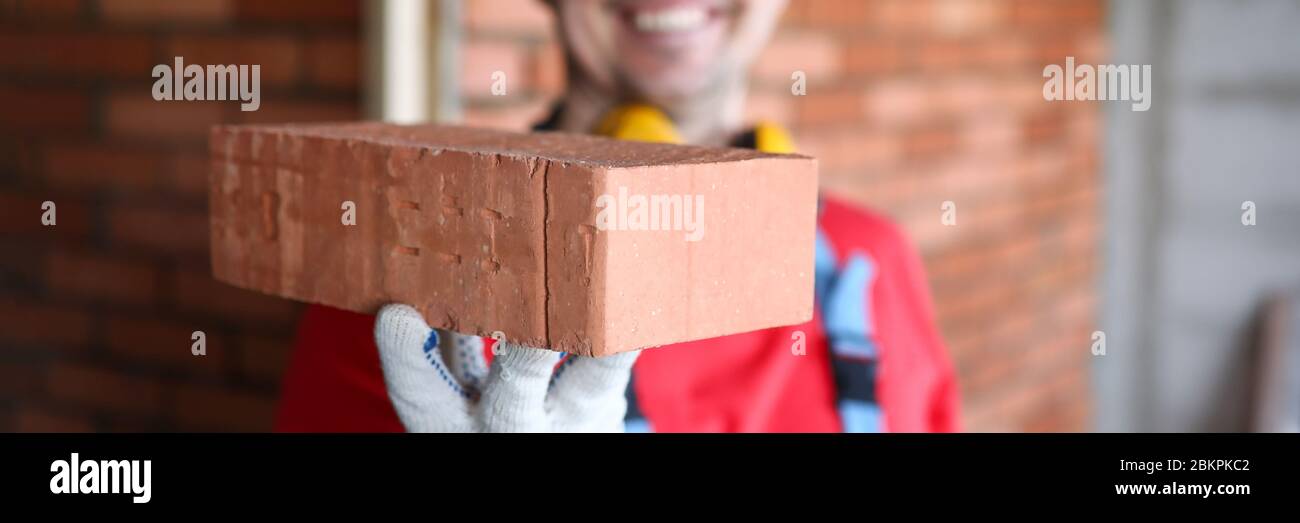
(911, 103)
(96, 312)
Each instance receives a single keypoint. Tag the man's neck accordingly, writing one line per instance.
(713, 118)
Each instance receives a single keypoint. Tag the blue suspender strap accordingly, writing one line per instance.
(845, 300)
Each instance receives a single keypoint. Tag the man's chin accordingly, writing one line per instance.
(672, 89)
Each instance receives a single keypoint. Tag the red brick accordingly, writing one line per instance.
(255, 261)
(136, 115)
(992, 370)
(168, 11)
(95, 276)
(925, 144)
(958, 267)
(968, 178)
(19, 154)
(913, 17)
(829, 106)
(1042, 16)
(519, 116)
(134, 424)
(530, 18)
(1084, 122)
(166, 343)
(279, 109)
(1060, 400)
(966, 96)
(222, 409)
(187, 172)
(995, 134)
(925, 228)
(1044, 127)
(946, 55)
(816, 54)
(20, 214)
(794, 17)
(1060, 416)
(1052, 48)
(1006, 51)
(480, 60)
(299, 12)
(76, 54)
(45, 9)
(21, 271)
(44, 111)
(1092, 48)
(852, 149)
(32, 419)
(548, 69)
(102, 167)
(1037, 14)
(873, 56)
(169, 231)
(834, 14)
(262, 359)
(771, 105)
(993, 217)
(102, 388)
(896, 102)
(1081, 236)
(43, 326)
(83, 131)
(969, 16)
(894, 191)
(18, 380)
(199, 292)
(334, 62)
(280, 57)
(1022, 92)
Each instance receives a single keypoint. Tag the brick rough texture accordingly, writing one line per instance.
(488, 231)
(910, 103)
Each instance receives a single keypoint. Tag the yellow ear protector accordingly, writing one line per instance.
(645, 123)
(772, 138)
(639, 123)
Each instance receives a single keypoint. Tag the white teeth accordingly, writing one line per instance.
(670, 20)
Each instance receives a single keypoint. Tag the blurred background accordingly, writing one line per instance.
(1073, 218)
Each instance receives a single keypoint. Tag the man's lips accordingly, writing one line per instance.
(665, 18)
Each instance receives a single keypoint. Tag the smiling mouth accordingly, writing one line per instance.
(668, 17)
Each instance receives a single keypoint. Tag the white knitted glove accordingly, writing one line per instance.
(447, 387)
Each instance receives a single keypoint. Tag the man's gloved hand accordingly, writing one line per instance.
(447, 386)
